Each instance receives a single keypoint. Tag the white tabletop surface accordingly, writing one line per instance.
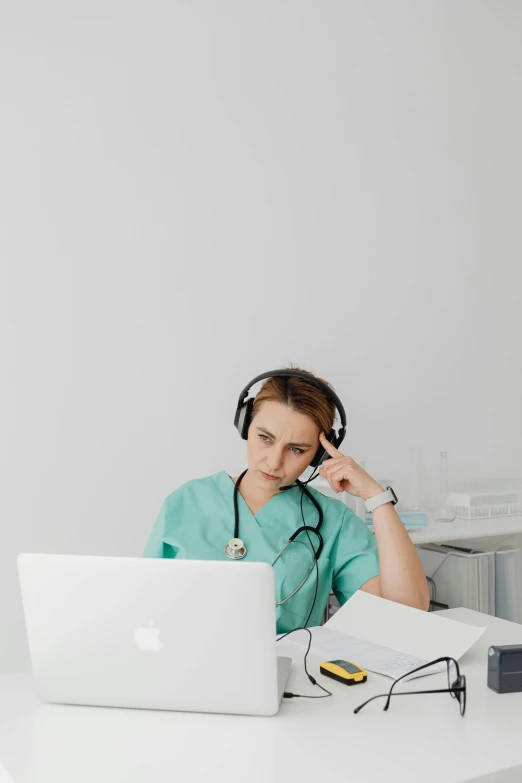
(421, 738)
(436, 532)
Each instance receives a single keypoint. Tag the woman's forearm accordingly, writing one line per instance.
(402, 577)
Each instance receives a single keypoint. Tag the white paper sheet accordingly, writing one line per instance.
(331, 645)
(385, 623)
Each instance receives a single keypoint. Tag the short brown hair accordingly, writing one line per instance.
(299, 395)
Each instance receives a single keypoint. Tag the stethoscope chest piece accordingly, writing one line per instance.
(235, 549)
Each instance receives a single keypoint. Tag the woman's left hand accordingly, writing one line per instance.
(344, 474)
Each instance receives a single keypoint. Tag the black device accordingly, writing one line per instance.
(505, 668)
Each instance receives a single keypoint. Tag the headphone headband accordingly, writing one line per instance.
(244, 409)
(327, 391)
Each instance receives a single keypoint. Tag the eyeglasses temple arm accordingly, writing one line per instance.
(405, 693)
(408, 674)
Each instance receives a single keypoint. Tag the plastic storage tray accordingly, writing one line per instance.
(488, 498)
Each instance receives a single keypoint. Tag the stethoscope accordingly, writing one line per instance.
(236, 549)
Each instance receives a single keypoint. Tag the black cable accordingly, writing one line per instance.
(315, 564)
(288, 695)
(315, 593)
(305, 483)
(304, 490)
(312, 477)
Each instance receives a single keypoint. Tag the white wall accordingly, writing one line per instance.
(194, 192)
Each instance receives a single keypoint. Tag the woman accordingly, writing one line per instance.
(285, 429)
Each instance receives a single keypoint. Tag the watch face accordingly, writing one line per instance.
(394, 501)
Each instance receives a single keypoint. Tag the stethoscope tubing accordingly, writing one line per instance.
(302, 529)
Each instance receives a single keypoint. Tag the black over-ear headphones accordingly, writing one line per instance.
(243, 417)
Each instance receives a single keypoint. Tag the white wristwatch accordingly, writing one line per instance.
(388, 496)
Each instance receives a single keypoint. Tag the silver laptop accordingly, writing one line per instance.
(194, 635)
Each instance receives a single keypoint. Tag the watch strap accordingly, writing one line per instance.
(388, 496)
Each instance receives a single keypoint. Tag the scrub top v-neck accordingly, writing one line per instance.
(196, 522)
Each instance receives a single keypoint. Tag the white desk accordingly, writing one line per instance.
(420, 740)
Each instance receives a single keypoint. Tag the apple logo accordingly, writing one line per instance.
(148, 638)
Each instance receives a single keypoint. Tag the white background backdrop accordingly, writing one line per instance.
(192, 193)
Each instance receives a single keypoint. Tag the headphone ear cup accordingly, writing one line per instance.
(320, 455)
(244, 419)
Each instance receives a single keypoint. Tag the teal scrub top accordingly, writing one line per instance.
(197, 521)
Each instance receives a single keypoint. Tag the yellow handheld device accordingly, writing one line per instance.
(343, 671)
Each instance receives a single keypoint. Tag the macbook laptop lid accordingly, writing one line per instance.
(152, 633)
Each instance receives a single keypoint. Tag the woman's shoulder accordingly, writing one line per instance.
(194, 487)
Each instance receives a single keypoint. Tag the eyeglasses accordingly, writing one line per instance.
(456, 685)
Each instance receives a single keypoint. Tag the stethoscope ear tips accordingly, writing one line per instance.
(235, 549)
